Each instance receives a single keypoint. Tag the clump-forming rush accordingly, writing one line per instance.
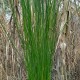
(39, 22)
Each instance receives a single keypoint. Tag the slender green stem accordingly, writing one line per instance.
(39, 30)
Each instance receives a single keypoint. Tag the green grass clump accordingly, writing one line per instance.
(39, 36)
(39, 21)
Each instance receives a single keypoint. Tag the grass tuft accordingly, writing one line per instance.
(39, 36)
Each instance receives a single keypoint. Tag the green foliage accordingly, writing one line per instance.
(39, 30)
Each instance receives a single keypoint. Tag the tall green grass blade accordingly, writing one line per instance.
(39, 30)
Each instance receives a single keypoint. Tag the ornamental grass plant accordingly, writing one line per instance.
(39, 35)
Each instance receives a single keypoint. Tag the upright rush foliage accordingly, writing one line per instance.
(39, 35)
(39, 22)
